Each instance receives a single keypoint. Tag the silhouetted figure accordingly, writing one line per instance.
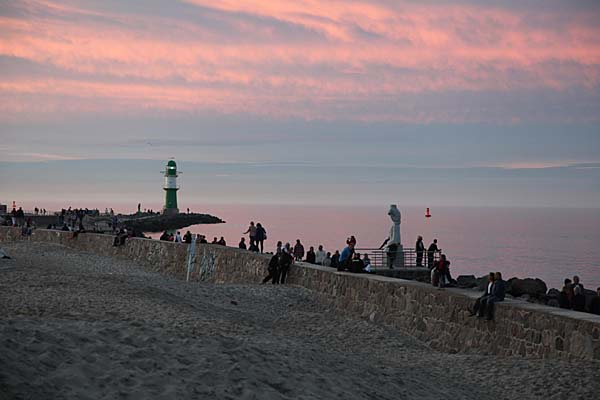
(261, 236)
(273, 270)
(222, 241)
(285, 262)
(335, 259)
(419, 249)
(252, 232)
(298, 251)
(242, 244)
(311, 256)
(164, 236)
(595, 303)
(578, 295)
(356, 265)
(565, 296)
(433, 248)
(187, 238)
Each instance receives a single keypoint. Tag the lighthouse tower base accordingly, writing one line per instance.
(170, 211)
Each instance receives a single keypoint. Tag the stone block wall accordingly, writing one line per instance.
(436, 317)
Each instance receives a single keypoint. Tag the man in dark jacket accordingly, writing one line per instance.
(498, 293)
(273, 270)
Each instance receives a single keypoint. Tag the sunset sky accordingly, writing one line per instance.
(463, 102)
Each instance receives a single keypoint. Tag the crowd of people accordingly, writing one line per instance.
(573, 296)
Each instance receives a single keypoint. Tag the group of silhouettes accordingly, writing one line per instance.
(573, 296)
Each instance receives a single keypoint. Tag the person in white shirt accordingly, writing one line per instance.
(178, 238)
(320, 255)
(327, 260)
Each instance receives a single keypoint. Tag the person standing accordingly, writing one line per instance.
(320, 255)
(252, 233)
(433, 248)
(298, 250)
(419, 249)
(260, 236)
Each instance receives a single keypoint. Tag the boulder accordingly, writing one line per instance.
(535, 288)
(466, 281)
(482, 282)
(553, 293)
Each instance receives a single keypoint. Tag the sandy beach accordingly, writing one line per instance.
(74, 325)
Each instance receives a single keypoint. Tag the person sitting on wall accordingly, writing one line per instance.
(222, 241)
(187, 238)
(164, 236)
(311, 256)
(345, 257)
(498, 293)
(356, 265)
(367, 262)
(479, 306)
(335, 259)
(242, 244)
(578, 295)
(566, 295)
(273, 275)
(320, 255)
(595, 303)
(327, 260)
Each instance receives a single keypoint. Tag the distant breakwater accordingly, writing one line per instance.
(439, 318)
(159, 223)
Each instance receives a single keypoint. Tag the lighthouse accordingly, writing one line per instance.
(171, 189)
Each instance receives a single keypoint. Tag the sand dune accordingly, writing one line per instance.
(79, 326)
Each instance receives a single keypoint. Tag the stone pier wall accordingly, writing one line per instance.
(437, 317)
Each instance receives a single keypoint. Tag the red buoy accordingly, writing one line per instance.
(427, 214)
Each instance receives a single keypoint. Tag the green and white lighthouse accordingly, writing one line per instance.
(171, 189)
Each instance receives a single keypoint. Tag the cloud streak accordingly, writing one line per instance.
(359, 60)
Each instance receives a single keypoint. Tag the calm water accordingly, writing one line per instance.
(547, 243)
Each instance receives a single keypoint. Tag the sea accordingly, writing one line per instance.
(547, 243)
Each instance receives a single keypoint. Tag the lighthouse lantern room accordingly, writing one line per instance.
(171, 189)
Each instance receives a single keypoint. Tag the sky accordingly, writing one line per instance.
(323, 102)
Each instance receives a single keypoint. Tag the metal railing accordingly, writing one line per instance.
(402, 258)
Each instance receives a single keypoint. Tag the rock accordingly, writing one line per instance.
(466, 281)
(235, 303)
(532, 287)
(482, 282)
(553, 293)
(553, 303)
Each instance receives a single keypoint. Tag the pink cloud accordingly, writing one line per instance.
(363, 51)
